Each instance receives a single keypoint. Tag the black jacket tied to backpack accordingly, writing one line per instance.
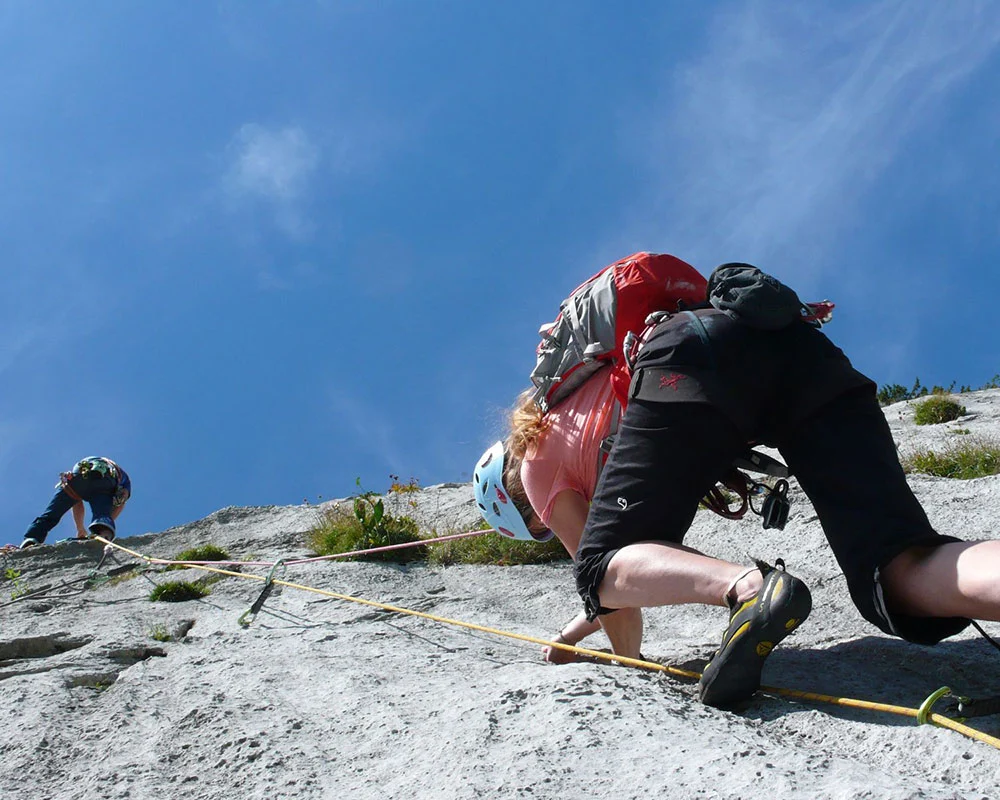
(751, 297)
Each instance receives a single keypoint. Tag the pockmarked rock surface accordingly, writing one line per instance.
(106, 694)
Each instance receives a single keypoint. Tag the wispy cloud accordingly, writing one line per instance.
(274, 167)
(272, 164)
(374, 433)
(768, 139)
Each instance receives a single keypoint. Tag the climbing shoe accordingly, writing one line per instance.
(755, 626)
(103, 531)
(29, 542)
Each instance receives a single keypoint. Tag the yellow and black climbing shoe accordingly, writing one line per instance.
(755, 627)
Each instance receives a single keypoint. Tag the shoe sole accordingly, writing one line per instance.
(733, 674)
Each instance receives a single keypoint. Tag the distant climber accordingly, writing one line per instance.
(101, 483)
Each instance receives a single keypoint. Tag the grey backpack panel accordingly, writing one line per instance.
(573, 346)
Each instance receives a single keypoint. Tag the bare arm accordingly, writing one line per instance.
(624, 628)
(569, 515)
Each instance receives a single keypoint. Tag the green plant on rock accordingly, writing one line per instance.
(20, 585)
(937, 408)
(178, 592)
(402, 494)
(121, 577)
(205, 552)
(160, 633)
(398, 487)
(492, 548)
(368, 525)
(892, 393)
(973, 457)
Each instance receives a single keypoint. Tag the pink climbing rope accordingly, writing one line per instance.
(386, 548)
(348, 554)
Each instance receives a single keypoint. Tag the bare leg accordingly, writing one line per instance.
(663, 574)
(958, 579)
(569, 514)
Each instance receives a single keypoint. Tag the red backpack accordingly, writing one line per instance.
(596, 326)
(596, 318)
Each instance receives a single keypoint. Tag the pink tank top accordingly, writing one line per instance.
(567, 453)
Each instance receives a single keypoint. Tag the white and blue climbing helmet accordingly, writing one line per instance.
(494, 501)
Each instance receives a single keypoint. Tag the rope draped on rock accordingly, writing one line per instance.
(921, 715)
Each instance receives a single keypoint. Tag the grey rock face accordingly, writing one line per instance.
(108, 695)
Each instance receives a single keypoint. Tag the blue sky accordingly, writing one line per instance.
(256, 250)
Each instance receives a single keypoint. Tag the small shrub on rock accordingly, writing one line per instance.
(492, 548)
(160, 633)
(366, 526)
(892, 393)
(206, 552)
(936, 409)
(178, 592)
(970, 458)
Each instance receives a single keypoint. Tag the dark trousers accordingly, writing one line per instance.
(99, 493)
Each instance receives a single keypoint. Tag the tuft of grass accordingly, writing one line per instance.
(971, 458)
(178, 592)
(18, 583)
(340, 531)
(492, 548)
(206, 552)
(122, 577)
(937, 408)
(160, 633)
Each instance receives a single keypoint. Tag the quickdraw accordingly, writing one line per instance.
(250, 614)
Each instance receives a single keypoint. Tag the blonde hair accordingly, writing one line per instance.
(527, 424)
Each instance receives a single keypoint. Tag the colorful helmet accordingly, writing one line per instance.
(495, 502)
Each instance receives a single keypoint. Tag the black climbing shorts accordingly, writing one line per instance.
(808, 402)
(666, 458)
(845, 460)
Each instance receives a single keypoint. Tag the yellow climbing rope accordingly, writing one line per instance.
(922, 715)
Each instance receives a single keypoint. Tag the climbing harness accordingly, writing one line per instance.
(773, 511)
(718, 502)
